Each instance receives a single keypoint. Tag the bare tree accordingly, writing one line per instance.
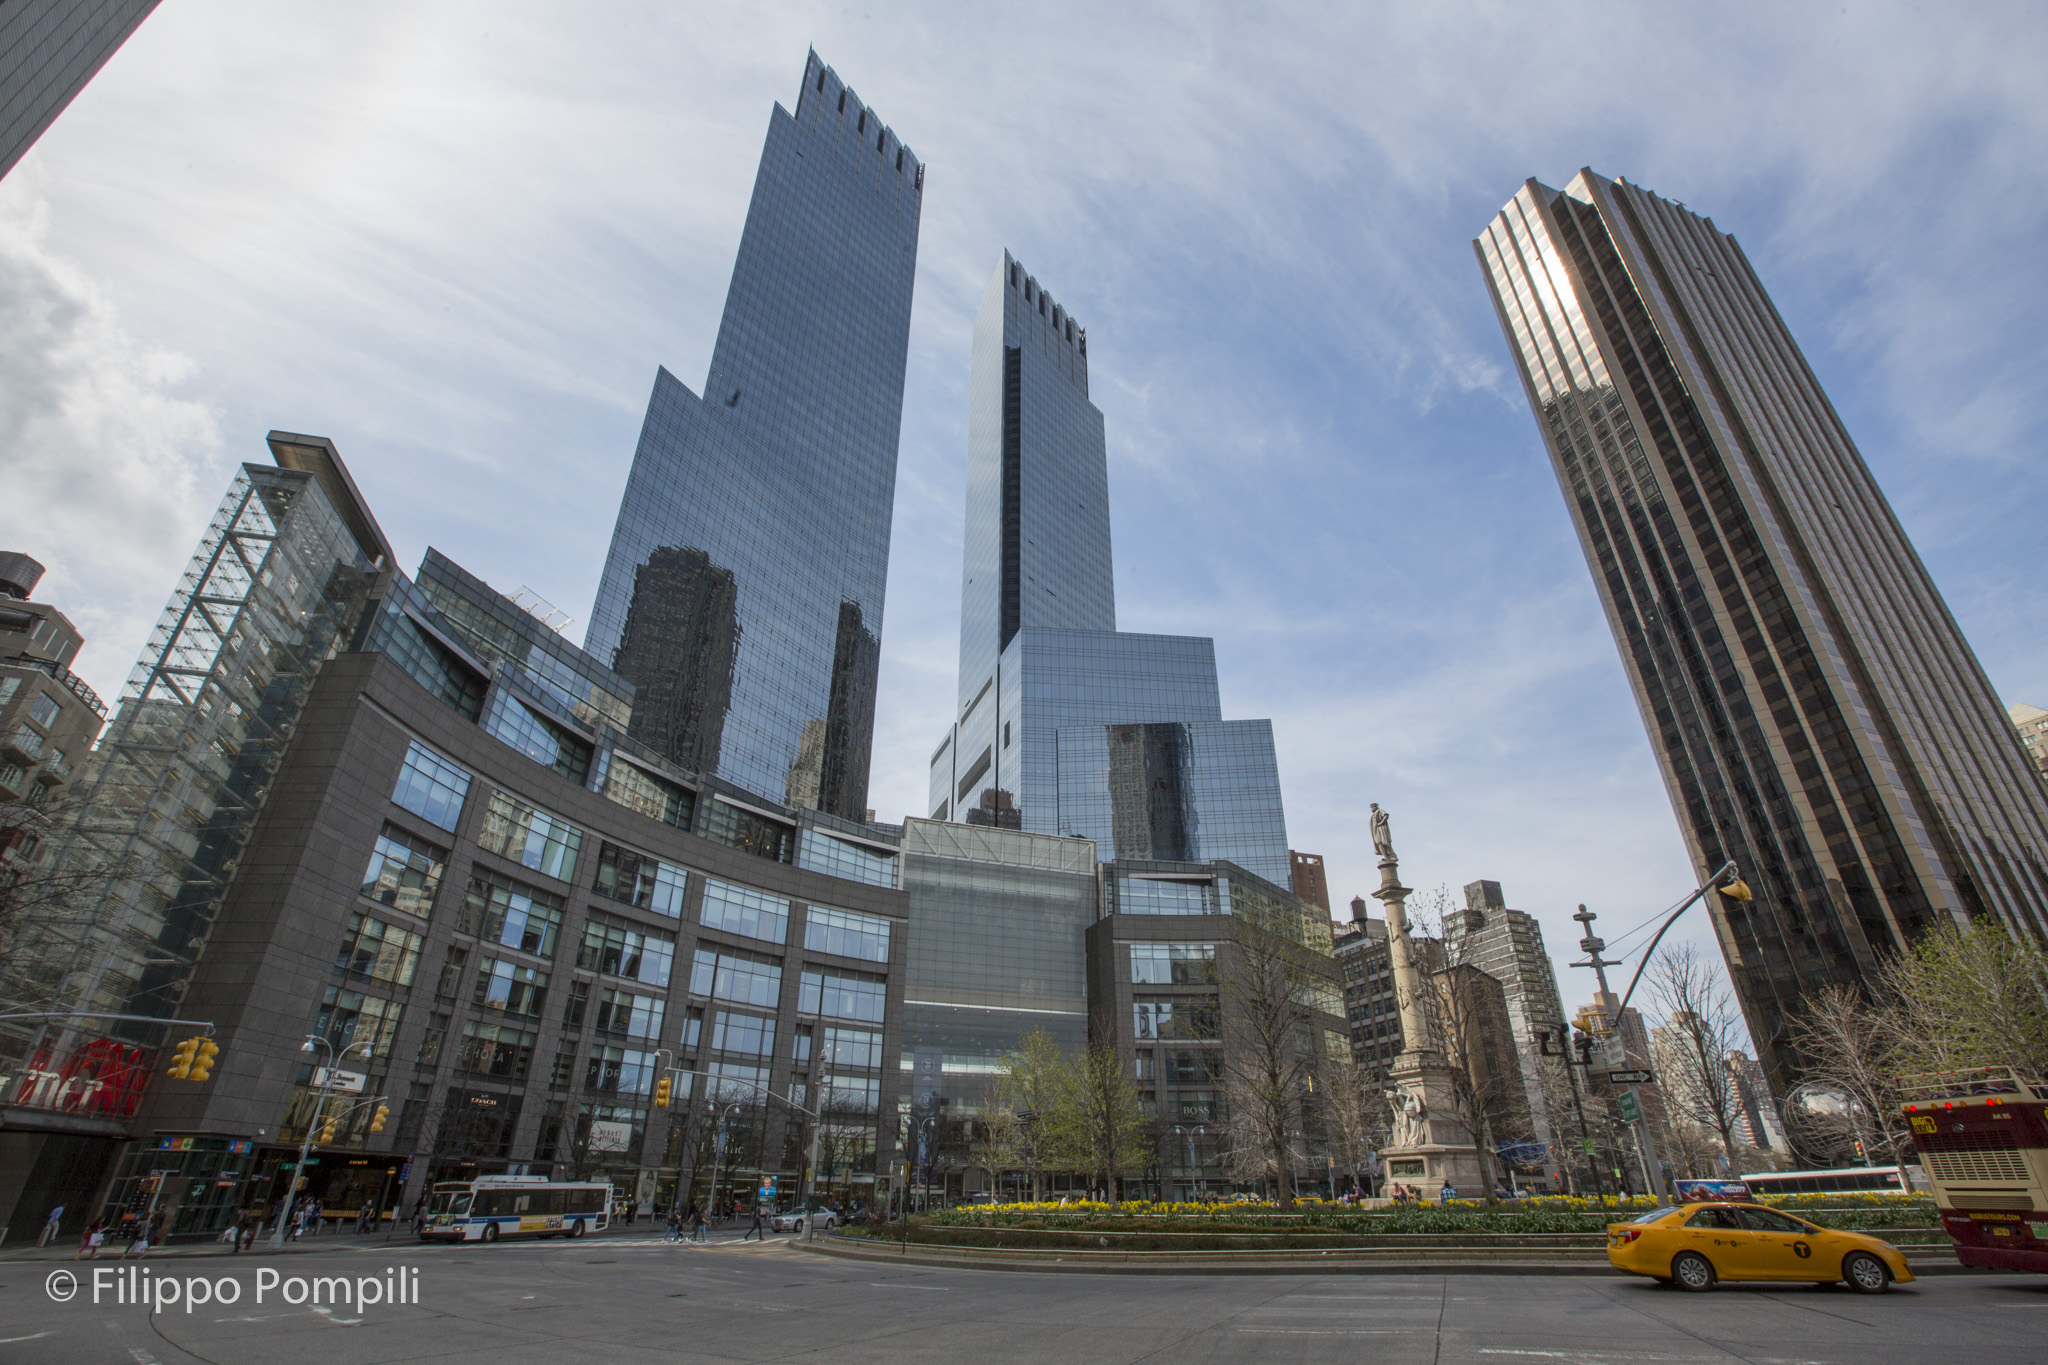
(999, 1132)
(1352, 1110)
(1463, 1012)
(1701, 1028)
(1271, 999)
(1851, 1047)
(1104, 1125)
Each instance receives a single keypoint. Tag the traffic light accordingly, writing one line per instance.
(377, 1119)
(181, 1060)
(327, 1130)
(662, 1090)
(202, 1063)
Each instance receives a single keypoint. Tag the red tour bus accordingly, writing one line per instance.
(1983, 1139)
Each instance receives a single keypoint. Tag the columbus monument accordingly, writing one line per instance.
(1432, 1142)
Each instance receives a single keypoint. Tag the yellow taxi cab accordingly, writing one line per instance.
(1696, 1244)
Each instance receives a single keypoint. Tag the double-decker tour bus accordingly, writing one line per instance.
(1983, 1139)
(494, 1206)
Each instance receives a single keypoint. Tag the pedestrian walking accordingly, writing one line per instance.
(90, 1239)
(51, 1226)
(674, 1231)
(757, 1230)
(700, 1215)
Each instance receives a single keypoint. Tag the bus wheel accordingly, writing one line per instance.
(1865, 1274)
(1692, 1272)
(490, 1232)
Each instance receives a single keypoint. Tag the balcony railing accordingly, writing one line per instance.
(62, 675)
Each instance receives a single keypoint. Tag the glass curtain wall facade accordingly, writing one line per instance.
(48, 51)
(742, 595)
(271, 593)
(998, 924)
(1817, 715)
(1150, 768)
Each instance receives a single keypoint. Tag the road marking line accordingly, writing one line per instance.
(9, 1341)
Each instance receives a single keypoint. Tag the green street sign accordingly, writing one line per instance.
(1590, 1146)
(1626, 1106)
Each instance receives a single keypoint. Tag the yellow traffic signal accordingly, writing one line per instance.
(202, 1063)
(327, 1130)
(377, 1119)
(181, 1060)
(662, 1089)
(1738, 890)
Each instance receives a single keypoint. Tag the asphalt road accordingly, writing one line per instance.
(627, 1299)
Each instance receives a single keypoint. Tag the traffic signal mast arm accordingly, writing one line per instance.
(816, 1119)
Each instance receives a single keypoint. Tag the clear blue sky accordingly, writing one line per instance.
(459, 238)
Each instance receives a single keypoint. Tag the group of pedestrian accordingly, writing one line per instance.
(693, 1219)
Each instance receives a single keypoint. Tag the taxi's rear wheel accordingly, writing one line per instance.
(1865, 1274)
(1692, 1272)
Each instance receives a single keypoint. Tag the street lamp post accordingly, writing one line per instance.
(325, 1089)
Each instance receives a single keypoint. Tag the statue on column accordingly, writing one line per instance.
(1382, 837)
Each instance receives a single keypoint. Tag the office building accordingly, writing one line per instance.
(426, 838)
(1817, 715)
(1371, 1007)
(1761, 1127)
(1163, 981)
(2032, 724)
(1306, 876)
(49, 49)
(1065, 725)
(742, 594)
(1508, 946)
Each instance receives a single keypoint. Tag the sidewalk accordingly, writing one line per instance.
(400, 1238)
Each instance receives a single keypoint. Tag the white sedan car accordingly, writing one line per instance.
(793, 1221)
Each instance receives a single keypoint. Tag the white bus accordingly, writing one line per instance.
(494, 1206)
(1883, 1179)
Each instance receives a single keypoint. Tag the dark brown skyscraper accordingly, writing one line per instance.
(1817, 715)
(1310, 883)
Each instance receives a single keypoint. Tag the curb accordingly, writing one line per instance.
(1336, 1262)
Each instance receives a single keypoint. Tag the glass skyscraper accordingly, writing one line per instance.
(1065, 724)
(1817, 714)
(742, 596)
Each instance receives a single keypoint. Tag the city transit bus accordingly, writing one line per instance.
(1983, 1139)
(1879, 1179)
(495, 1206)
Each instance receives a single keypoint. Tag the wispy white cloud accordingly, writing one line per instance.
(108, 464)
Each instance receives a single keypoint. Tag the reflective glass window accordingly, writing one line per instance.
(733, 974)
(1173, 964)
(843, 995)
(378, 950)
(620, 949)
(511, 913)
(405, 872)
(510, 987)
(745, 1033)
(431, 787)
(846, 934)
(744, 911)
(530, 836)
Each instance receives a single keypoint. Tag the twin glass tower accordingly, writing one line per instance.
(742, 595)
(1817, 714)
